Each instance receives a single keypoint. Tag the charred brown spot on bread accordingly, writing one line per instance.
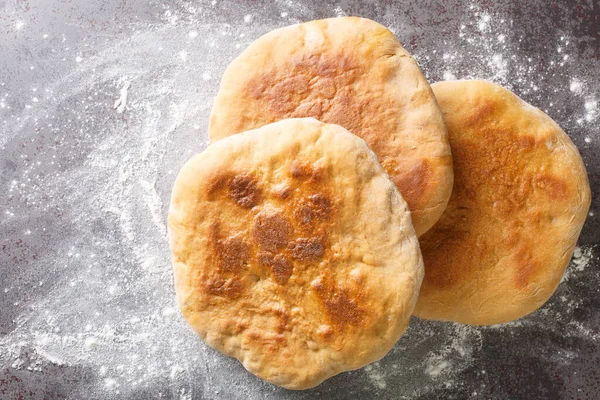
(242, 188)
(318, 175)
(306, 86)
(283, 317)
(347, 110)
(264, 258)
(306, 172)
(314, 208)
(223, 287)
(282, 269)
(233, 253)
(526, 268)
(279, 265)
(300, 170)
(307, 249)
(244, 191)
(341, 308)
(271, 231)
(292, 91)
(553, 187)
(413, 182)
(217, 184)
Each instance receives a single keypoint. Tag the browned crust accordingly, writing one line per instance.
(293, 251)
(520, 199)
(352, 72)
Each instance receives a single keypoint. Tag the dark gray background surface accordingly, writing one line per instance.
(87, 307)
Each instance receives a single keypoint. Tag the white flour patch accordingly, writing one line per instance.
(576, 86)
(591, 109)
(484, 21)
(582, 258)
(376, 375)
(121, 102)
(154, 203)
(430, 355)
(339, 12)
(125, 312)
(436, 366)
(462, 342)
(449, 76)
(183, 55)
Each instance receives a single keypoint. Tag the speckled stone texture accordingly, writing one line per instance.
(101, 103)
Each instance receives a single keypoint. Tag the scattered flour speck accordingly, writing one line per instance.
(575, 86)
(582, 258)
(121, 102)
(435, 367)
(376, 376)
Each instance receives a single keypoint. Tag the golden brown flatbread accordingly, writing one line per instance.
(352, 72)
(293, 251)
(520, 198)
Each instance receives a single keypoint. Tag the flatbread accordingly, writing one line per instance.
(352, 72)
(520, 198)
(293, 251)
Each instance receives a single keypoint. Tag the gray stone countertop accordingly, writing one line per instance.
(101, 102)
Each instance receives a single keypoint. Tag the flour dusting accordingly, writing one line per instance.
(582, 258)
(376, 375)
(121, 102)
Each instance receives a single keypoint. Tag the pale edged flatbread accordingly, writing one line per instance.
(351, 72)
(520, 198)
(293, 251)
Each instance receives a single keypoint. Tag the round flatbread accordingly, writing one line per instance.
(520, 198)
(352, 72)
(293, 251)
